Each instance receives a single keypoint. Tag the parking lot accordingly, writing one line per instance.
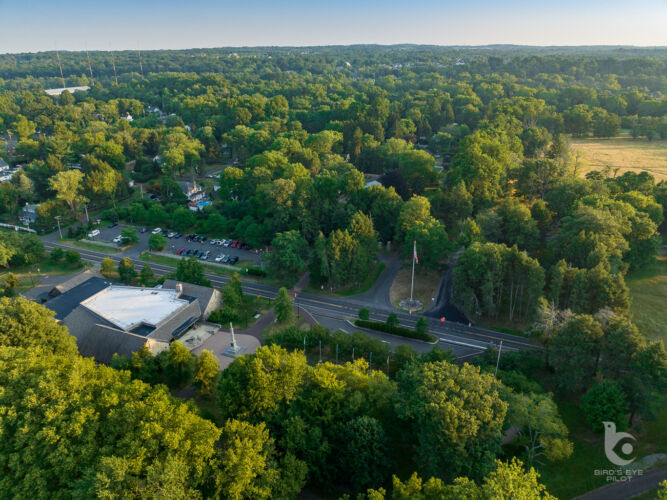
(174, 244)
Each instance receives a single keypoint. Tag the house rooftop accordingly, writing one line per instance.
(127, 307)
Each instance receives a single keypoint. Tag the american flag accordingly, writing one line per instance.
(414, 253)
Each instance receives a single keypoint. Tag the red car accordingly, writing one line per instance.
(179, 252)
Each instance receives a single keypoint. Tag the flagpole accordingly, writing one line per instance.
(412, 281)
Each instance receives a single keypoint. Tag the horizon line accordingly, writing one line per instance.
(388, 45)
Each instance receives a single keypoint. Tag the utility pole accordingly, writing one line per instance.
(59, 231)
(370, 362)
(498, 360)
(320, 351)
(85, 207)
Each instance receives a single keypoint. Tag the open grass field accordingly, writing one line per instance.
(426, 285)
(648, 290)
(622, 153)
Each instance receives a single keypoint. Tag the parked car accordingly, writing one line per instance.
(234, 260)
(118, 239)
(219, 257)
(113, 224)
(171, 235)
(179, 252)
(143, 230)
(93, 233)
(177, 235)
(203, 239)
(165, 233)
(225, 259)
(156, 230)
(205, 255)
(188, 251)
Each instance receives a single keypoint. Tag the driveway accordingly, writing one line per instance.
(378, 295)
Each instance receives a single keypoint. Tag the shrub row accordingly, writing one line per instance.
(255, 271)
(395, 330)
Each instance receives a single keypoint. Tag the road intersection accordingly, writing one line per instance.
(335, 312)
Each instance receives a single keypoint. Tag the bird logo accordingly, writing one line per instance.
(611, 439)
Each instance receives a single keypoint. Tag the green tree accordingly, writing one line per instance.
(363, 458)
(131, 439)
(57, 254)
(128, 236)
(108, 266)
(364, 313)
(156, 242)
(191, 271)
(541, 430)
(146, 275)
(455, 415)
(232, 294)
(180, 364)
(73, 258)
(67, 185)
(207, 373)
(575, 352)
(255, 386)
(24, 323)
(289, 252)
(126, 271)
(421, 326)
(605, 402)
(283, 306)
(392, 319)
(249, 466)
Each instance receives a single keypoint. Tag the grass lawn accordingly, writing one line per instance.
(209, 269)
(648, 289)
(426, 286)
(351, 290)
(29, 276)
(623, 153)
(95, 247)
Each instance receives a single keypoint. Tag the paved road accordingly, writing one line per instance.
(627, 489)
(378, 295)
(449, 334)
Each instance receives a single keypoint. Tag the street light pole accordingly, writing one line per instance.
(498, 360)
(59, 231)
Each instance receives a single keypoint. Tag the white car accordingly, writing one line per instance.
(118, 239)
(214, 242)
(156, 230)
(227, 243)
(220, 257)
(171, 235)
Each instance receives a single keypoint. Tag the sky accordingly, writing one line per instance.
(38, 25)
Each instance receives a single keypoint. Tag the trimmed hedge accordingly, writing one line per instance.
(255, 271)
(396, 330)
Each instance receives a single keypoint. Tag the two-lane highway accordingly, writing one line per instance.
(450, 334)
